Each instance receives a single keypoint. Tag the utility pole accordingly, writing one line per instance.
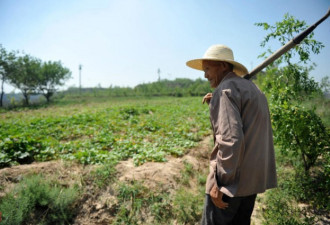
(158, 71)
(80, 67)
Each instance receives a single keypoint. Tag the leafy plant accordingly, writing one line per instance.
(18, 149)
(297, 130)
(109, 131)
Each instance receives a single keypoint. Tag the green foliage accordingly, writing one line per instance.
(297, 130)
(109, 131)
(281, 205)
(187, 207)
(281, 211)
(6, 59)
(314, 190)
(187, 173)
(283, 31)
(52, 74)
(287, 85)
(18, 149)
(30, 75)
(140, 205)
(301, 132)
(161, 209)
(134, 199)
(39, 200)
(325, 85)
(136, 202)
(25, 75)
(180, 87)
(104, 174)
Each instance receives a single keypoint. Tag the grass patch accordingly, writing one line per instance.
(102, 176)
(141, 205)
(137, 203)
(37, 200)
(187, 206)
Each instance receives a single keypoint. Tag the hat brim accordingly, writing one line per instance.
(197, 64)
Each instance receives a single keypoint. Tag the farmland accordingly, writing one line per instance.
(128, 161)
(91, 148)
(145, 130)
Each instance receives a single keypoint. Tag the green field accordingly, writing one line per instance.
(142, 129)
(83, 140)
(75, 136)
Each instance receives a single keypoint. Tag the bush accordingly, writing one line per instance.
(38, 200)
(313, 189)
(280, 210)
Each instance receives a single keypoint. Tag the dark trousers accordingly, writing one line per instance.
(238, 212)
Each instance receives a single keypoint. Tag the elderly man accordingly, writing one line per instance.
(242, 162)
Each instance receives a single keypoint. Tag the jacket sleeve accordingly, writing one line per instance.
(229, 138)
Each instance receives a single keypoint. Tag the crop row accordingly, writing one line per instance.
(141, 130)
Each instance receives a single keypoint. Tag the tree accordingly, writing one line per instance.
(6, 61)
(25, 75)
(325, 85)
(52, 74)
(296, 130)
(283, 32)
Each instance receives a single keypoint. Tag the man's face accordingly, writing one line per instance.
(213, 71)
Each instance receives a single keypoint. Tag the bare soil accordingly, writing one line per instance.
(98, 206)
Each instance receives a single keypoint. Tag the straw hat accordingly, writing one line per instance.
(218, 53)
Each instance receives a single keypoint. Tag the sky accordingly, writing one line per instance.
(125, 42)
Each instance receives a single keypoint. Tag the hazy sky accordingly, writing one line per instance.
(125, 42)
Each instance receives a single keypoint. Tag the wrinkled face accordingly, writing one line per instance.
(214, 72)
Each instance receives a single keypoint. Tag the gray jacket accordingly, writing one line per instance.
(242, 162)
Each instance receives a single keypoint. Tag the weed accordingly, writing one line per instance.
(187, 207)
(187, 173)
(162, 208)
(132, 200)
(38, 200)
(138, 202)
(104, 174)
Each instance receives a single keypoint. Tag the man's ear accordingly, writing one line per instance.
(223, 66)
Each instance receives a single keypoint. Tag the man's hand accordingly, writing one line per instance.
(216, 197)
(207, 98)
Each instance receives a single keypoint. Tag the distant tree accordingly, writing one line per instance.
(178, 87)
(25, 75)
(6, 61)
(325, 85)
(52, 74)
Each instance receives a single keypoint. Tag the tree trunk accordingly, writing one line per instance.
(26, 97)
(307, 166)
(48, 95)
